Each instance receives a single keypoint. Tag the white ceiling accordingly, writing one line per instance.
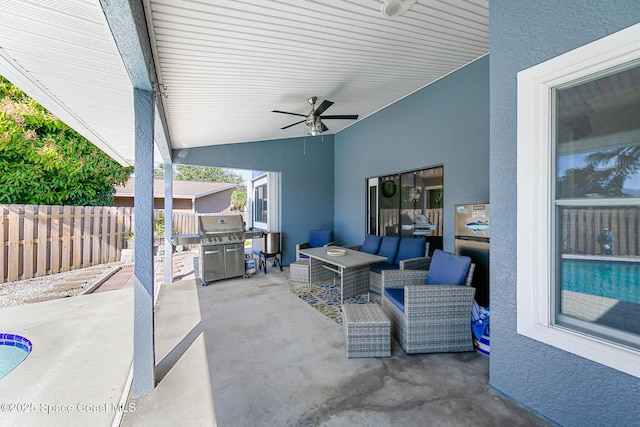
(226, 64)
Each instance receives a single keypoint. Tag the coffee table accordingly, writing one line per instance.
(353, 268)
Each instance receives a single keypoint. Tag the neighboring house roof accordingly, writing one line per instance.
(181, 189)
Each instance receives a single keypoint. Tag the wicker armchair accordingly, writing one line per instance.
(430, 318)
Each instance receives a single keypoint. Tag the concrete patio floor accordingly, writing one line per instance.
(239, 352)
(247, 352)
(79, 363)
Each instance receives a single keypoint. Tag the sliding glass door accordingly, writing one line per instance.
(409, 204)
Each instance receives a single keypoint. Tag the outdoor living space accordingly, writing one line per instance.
(342, 113)
(236, 352)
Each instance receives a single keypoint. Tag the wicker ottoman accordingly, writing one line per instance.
(367, 330)
(299, 271)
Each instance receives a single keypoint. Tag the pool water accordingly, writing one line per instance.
(616, 280)
(13, 350)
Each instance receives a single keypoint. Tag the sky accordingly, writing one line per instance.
(578, 161)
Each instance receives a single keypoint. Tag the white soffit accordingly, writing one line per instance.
(62, 54)
(227, 64)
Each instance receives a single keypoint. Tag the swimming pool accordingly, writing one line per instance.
(618, 280)
(13, 350)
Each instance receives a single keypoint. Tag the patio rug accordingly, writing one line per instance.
(325, 297)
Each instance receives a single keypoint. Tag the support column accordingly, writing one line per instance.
(144, 378)
(168, 223)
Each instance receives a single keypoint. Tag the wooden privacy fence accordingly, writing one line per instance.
(39, 240)
(581, 227)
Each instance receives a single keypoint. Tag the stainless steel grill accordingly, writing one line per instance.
(221, 247)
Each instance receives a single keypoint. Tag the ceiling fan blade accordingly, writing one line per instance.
(293, 124)
(286, 112)
(321, 109)
(323, 128)
(349, 117)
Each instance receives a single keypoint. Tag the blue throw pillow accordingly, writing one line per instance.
(410, 247)
(319, 238)
(389, 248)
(371, 244)
(447, 269)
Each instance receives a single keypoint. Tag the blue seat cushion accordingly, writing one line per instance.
(410, 247)
(396, 296)
(389, 248)
(447, 268)
(379, 266)
(319, 238)
(371, 244)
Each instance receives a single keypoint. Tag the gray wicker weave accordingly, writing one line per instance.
(422, 263)
(367, 330)
(436, 318)
(299, 271)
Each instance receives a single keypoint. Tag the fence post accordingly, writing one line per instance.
(14, 242)
(27, 246)
(66, 238)
(77, 237)
(43, 240)
(3, 242)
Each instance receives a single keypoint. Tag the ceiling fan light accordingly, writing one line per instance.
(313, 128)
(396, 7)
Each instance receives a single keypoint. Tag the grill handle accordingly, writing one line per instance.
(234, 249)
(215, 251)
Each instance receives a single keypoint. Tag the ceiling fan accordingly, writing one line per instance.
(313, 120)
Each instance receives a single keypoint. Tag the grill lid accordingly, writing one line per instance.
(220, 224)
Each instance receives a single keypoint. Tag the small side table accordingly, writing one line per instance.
(367, 330)
(276, 260)
(299, 271)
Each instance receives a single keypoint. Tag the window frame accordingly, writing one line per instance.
(536, 202)
(262, 181)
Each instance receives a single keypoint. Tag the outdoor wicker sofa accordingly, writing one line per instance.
(431, 316)
(403, 253)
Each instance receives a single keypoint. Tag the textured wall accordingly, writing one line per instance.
(216, 202)
(568, 389)
(306, 165)
(445, 123)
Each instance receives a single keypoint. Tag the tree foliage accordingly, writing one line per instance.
(208, 174)
(603, 175)
(44, 161)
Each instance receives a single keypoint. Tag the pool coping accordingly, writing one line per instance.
(14, 340)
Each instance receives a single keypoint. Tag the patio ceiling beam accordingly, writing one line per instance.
(126, 19)
(128, 26)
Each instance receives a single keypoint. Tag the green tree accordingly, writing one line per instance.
(603, 175)
(208, 174)
(44, 161)
(239, 197)
(626, 162)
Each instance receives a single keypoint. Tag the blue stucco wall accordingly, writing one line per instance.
(306, 165)
(567, 389)
(445, 123)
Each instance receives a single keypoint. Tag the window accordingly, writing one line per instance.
(407, 204)
(265, 202)
(579, 201)
(260, 203)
